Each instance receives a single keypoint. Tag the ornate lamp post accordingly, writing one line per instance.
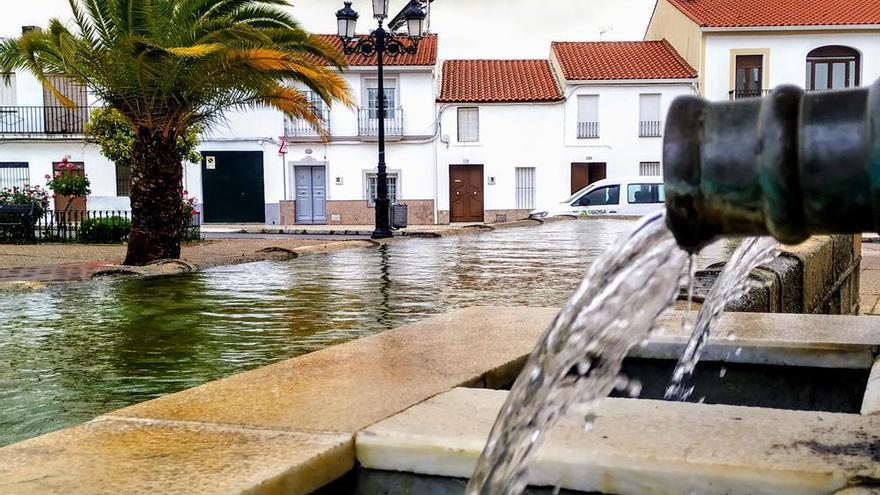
(381, 42)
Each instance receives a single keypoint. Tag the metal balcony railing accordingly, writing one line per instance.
(368, 122)
(650, 128)
(43, 120)
(588, 130)
(738, 94)
(302, 128)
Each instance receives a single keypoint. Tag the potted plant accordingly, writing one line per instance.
(69, 186)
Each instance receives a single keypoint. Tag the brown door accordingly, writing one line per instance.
(584, 174)
(465, 193)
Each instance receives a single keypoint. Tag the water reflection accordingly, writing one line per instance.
(73, 352)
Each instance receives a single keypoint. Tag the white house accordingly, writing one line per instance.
(744, 48)
(520, 133)
(334, 182)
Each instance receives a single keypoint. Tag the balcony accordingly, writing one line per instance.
(588, 130)
(301, 129)
(738, 94)
(368, 123)
(55, 120)
(650, 128)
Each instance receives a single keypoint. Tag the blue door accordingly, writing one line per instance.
(311, 195)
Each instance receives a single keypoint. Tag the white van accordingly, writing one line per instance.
(627, 196)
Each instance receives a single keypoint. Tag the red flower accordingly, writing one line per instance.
(57, 173)
(48, 176)
(186, 193)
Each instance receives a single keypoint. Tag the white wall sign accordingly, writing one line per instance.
(210, 162)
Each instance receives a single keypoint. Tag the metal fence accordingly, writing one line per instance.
(43, 120)
(738, 94)
(368, 123)
(67, 226)
(588, 130)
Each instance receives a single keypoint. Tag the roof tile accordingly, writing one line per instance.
(620, 60)
(498, 81)
(426, 54)
(771, 13)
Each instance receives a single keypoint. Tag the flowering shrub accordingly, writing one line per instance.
(188, 209)
(67, 182)
(106, 230)
(26, 195)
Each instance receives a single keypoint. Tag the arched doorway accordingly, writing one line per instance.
(833, 67)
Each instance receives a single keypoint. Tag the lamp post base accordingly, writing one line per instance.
(383, 219)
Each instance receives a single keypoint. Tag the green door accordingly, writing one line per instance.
(232, 186)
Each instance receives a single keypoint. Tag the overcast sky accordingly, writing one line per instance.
(472, 28)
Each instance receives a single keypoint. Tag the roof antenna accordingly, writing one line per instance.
(603, 31)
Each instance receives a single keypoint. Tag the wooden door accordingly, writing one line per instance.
(466, 193)
(584, 174)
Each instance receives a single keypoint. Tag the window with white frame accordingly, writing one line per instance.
(372, 97)
(372, 185)
(650, 115)
(588, 116)
(468, 125)
(14, 174)
(7, 90)
(650, 169)
(525, 188)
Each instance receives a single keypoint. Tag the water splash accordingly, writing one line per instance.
(578, 359)
(731, 285)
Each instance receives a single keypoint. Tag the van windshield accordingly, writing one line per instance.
(577, 194)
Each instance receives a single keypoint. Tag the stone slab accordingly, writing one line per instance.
(821, 341)
(136, 457)
(347, 387)
(642, 446)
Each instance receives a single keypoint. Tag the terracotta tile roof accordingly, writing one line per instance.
(620, 60)
(426, 55)
(498, 81)
(759, 13)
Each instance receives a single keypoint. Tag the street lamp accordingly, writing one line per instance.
(381, 42)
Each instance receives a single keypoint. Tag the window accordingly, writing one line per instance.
(650, 169)
(525, 188)
(588, 116)
(7, 91)
(650, 115)
(123, 180)
(372, 182)
(390, 98)
(639, 194)
(749, 76)
(603, 196)
(468, 125)
(833, 67)
(14, 174)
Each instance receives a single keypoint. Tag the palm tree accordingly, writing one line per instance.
(167, 65)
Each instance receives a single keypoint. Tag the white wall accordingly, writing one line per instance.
(619, 144)
(788, 57)
(413, 161)
(516, 135)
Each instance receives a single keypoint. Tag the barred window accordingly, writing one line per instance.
(123, 180)
(650, 169)
(525, 188)
(14, 174)
(372, 184)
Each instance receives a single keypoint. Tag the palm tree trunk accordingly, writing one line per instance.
(156, 199)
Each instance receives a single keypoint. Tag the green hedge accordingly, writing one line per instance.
(107, 230)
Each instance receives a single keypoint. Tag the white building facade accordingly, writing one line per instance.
(745, 48)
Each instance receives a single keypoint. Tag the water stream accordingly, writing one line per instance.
(578, 360)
